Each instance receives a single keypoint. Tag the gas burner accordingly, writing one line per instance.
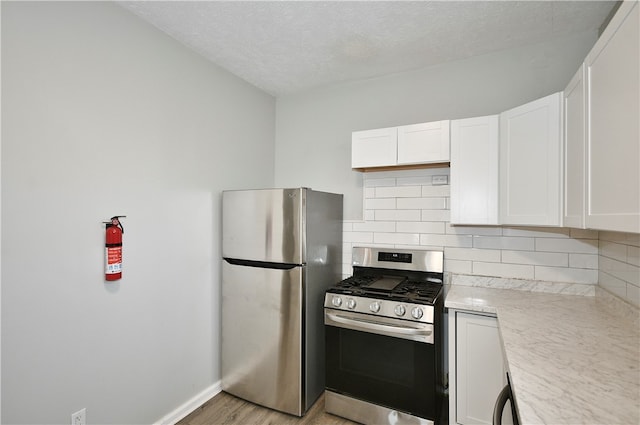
(356, 281)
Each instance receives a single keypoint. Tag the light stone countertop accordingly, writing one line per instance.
(572, 359)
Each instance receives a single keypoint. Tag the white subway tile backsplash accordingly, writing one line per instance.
(536, 258)
(372, 182)
(380, 204)
(398, 192)
(473, 254)
(499, 269)
(397, 238)
(397, 215)
(621, 270)
(583, 261)
(565, 274)
(369, 192)
(346, 253)
(633, 294)
(632, 239)
(477, 231)
(347, 226)
(402, 209)
(502, 242)
(436, 215)
(420, 227)
(633, 255)
(357, 237)
(422, 203)
(613, 250)
(431, 191)
(457, 266)
(615, 286)
(580, 246)
(584, 234)
(536, 232)
(446, 240)
(413, 181)
(374, 226)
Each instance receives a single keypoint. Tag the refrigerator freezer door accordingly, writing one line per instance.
(262, 335)
(264, 225)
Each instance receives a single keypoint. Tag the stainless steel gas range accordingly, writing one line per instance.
(384, 343)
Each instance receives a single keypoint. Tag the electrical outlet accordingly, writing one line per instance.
(439, 180)
(79, 418)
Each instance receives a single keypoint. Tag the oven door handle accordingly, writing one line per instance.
(419, 333)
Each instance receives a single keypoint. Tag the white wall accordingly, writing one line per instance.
(104, 115)
(313, 129)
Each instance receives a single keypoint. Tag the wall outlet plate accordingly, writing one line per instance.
(79, 418)
(439, 180)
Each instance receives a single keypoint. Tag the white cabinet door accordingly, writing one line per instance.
(423, 143)
(530, 163)
(613, 138)
(374, 148)
(479, 366)
(474, 170)
(574, 151)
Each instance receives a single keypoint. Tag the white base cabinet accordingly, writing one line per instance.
(476, 367)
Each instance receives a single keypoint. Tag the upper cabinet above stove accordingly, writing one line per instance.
(404, 147)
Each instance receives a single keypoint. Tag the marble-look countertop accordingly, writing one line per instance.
(572, 359)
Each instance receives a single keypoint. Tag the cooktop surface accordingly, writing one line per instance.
(398, 288)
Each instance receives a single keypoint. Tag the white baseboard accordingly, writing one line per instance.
(190, 405)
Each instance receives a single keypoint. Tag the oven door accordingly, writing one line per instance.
(387, 362)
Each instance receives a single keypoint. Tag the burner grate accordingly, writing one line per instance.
(407, 290)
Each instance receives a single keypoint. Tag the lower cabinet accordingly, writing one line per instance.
(476, 367)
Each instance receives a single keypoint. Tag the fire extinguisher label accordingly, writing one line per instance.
(113, 260)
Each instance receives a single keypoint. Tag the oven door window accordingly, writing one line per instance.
(392, 372)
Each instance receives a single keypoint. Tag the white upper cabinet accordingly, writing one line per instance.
(574, 151)
(423, 143)
(374, 148)
(408, 145)
(530, 163)
(613, 136)
(474, 170)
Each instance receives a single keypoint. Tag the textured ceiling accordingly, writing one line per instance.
(284, 47)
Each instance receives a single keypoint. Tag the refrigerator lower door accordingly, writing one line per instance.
(262, 335)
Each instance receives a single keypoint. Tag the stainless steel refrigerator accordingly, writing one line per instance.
(282, 248)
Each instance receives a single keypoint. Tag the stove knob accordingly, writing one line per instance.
(416, 313)
(374, 307)
(400, 310)
(336, 301)
(351, 303)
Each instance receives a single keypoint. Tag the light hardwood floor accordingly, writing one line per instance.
(229, 410)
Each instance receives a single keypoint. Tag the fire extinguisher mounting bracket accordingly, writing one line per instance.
(115, 221)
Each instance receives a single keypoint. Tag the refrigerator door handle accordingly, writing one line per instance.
(261, 264)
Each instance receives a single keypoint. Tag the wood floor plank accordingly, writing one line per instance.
(225, 409)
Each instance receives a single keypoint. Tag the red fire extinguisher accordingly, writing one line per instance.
(113, 248)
